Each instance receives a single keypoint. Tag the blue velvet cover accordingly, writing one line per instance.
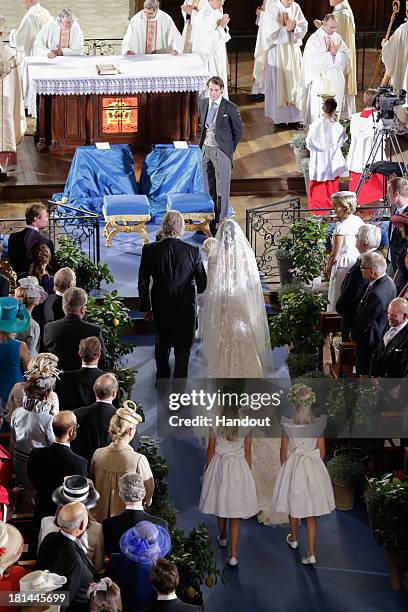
(95, 173)
(191, 202)
(125, 205)
(169, 170)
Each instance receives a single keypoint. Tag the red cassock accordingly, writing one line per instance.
(320, 193)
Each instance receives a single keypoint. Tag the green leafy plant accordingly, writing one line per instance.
(351, 409)
(89, 275)
(346, 146)
(345, 468)
(305, 246)
(387, 501)
(299, 141)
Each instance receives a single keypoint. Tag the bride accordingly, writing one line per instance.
(236, 340)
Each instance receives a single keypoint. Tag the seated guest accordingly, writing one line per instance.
(41, 581)
(64, 279)
(132, 493)
(47, 467)
(110, 463)
(37, 366)
(31, 294)
(354, 285)
(401, 273)
(165, 579)
(75, 387)
(81, 489)
(11, 545)
(371, 317)
(140, 547)
(20, 244)
(152, 31)
(62, 337)
(105, 596)
(61, 553)
(390, 358)
(93, 420)
(397, 198)
(40, 267)
(31, 427)
(61, 36)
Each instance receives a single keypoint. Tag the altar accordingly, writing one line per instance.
(153, 98)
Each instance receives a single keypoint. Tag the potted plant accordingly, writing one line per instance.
(89, 275)
(345, 471)
(298, 144)
(387, 502)
(304, 167)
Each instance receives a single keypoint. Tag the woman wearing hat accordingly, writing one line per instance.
(401, 273)
(110, 463)
(78, 488)
(31, 294)
(31, 427)
(41, 581)
(11, 547)
(14, 357)
(140, 547)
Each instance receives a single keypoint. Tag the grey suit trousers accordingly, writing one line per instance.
(217, 178)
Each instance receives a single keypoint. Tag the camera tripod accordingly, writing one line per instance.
(385, 137)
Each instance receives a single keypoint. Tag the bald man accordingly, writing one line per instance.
(390, 359)
(61, 553)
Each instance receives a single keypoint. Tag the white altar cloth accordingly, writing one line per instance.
(138, 74)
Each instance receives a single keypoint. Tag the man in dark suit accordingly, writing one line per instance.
(371, 317)
(61, 553)
(132, 492)
(75, 388)
(48, 466)
(176, 269)
(390, 359)
(4, 286)
(21, 244)
(221, 131)
(64, 279)
(165, 579)
(354, 285)
(62, 337)
(397, 197)
(93, 420)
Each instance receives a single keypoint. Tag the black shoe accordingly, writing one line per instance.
(281, 126)
(296, 126)
(256, 97)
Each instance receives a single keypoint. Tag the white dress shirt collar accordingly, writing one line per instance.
(167, 597)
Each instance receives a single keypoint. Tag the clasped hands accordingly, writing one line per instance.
(333, 48)
(224, 21)
(291, 25)
(54, 53)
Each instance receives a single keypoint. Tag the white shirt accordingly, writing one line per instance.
(91, 366)
(167, 597)
(215, 102)
(68, 535)
(392, 332)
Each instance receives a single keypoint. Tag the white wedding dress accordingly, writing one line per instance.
(236, 341)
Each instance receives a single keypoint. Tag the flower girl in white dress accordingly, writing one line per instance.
(303, 488)
(228, 489)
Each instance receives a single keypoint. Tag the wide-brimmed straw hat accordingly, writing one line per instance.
(34, 289)
(11, 546)
(76, 489)
(41, 580)
(14, 316)
(145, 542)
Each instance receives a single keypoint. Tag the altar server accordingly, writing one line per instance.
(62, 36)
(189, 11)
(324, 62)
(12, 116)
(283, 28)
(152, 31)
(35, 18)
(258, 89)
(346, 28)
(210, 35)
(395, 58)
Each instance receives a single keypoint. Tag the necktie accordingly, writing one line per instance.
(211, 114)
(389, 335)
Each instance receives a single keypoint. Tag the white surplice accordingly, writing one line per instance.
(284, 58)
(395, 58)
(363, 129)
(24, 36)
(166, 36)
(51, 37)
(210, 40)
(324, 141)
(12, 116)
(322, 73)
(258, 86)
(189, 23)
(346, 27)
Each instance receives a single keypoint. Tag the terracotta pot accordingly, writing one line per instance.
(299, 155)
(398, 565)
(343, 495)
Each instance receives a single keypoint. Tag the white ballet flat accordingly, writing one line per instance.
(232, 561)
(310, 560)
(292, 544)
(222, 542)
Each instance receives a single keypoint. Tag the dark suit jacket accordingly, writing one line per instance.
(352, 290)
(53, 308)
(396, 242)
(62, 338)
(20, 246)
(391, 361)
(4, 286)
(175, 267)
(228, 125)
(65, 557)
(115, 526)
(75, 387)
(46, 470)
(371, 321)
(93, 431)
(170, 605)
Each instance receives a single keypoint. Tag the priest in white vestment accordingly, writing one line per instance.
(62, 36)
(35, 18)
(395, 58)
(346, 27)
(152, 31)
(325, 59)
(210, 35)
(12, 116)
(189, 11)
(283, 29)
(258, 87)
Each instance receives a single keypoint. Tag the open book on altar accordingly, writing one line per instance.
(106, 69)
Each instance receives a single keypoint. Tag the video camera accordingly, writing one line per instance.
(386, 100)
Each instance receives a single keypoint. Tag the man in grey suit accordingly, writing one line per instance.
(221, 131)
